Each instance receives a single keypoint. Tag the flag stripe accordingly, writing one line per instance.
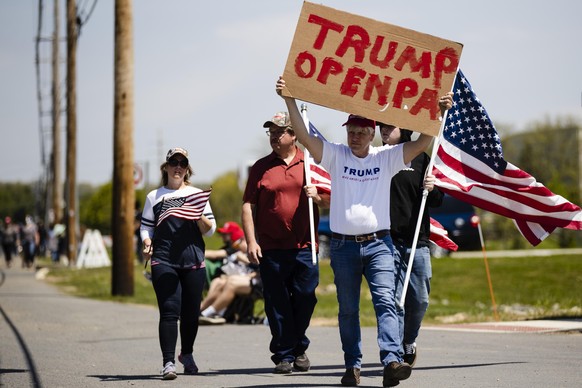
(440, 236)
(190, 207)
(319, 177)
(469, 165)
(520, 202)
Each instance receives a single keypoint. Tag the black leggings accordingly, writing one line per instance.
(179, 293)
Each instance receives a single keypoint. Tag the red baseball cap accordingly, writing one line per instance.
(233, 229)
(360, 121)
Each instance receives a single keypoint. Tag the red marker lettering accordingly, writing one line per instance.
(409, 56)
(446, 60)
(300, 60)
(390, 53)
(357, 38)
(329, 66)
(428, 100)
(352, 80)
(406, 88)
(326, 25)
(381, 88)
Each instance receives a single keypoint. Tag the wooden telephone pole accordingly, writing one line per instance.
(71, 163)
(57, 189)
(122, 282)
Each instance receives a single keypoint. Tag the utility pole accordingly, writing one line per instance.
(122, 281)
(580, 159)
(71, 163)
(45, 180)
(580, 165)
(57, 190)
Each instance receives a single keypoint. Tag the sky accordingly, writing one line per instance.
(205, 73)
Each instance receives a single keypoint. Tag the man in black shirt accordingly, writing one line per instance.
(405, 198)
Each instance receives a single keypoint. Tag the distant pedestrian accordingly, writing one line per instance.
(10, 240)
(29, 240)
(172, 237)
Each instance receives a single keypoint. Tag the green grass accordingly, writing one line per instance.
(524, 288)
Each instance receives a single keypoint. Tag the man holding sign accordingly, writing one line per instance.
(360, 221)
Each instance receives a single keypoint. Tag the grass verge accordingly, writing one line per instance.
(523, 288)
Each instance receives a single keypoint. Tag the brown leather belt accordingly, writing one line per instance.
(362, 237)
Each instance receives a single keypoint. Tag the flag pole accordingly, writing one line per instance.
(421, 211)
(306, 161)
(419, 221)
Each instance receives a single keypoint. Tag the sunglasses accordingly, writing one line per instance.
(175, 162)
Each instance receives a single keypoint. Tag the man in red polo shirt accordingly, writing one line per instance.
(275, 219)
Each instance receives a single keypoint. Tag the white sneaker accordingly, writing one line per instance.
(212, 320)
(169, 371)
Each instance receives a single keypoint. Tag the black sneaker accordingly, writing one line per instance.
(284, 367)
(394, 372)
(351, 377)
(410, 353)
(302, 363)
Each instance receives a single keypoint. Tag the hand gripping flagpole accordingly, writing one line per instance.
(421, 212)
(307, 163)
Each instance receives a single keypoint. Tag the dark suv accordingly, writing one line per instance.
(460, 221)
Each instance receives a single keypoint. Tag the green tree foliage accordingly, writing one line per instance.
(17, 200)
(549, 153)
(96, 209)
(226, 198)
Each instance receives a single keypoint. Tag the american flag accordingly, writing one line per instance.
(319, 176)
(189, 207)
(470, 166)
(440, 236)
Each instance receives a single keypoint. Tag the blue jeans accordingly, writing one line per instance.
(416, 302)
(375, 260)
(289, 282)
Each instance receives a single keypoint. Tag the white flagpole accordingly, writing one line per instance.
(307, 163)
(420, 212)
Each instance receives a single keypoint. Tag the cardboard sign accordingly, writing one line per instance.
(377, 70)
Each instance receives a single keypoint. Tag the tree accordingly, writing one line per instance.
(226, 198)
(95, 209)
(17, 200)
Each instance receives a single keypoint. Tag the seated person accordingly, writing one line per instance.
(231, 234)
(237, 277)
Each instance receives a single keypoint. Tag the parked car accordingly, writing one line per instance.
(460, 221)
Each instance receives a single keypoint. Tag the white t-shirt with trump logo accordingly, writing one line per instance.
(360, 199)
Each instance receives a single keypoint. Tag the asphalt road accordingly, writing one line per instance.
(48, 339)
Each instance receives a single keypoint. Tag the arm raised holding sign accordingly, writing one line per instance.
(312, 143)
(360, 149)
